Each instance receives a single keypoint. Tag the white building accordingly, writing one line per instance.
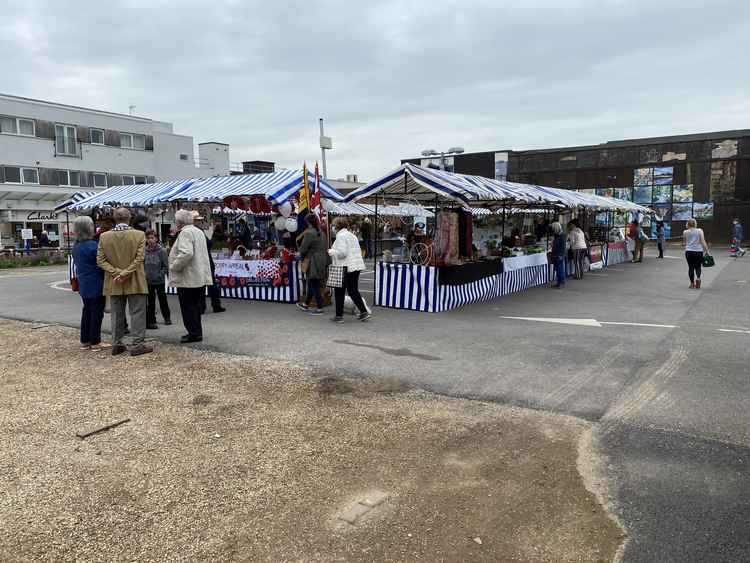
(49, 151)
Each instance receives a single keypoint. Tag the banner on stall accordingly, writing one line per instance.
(231, 273)
(596, 261)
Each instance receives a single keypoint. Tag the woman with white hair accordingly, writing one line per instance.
(190, 273)
(558, 254)
(90, 284)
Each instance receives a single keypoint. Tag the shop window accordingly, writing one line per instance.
(97, 136)
(140, 180)
(100, 180)
(128, 180)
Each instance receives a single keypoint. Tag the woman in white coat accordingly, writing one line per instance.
(346, 252)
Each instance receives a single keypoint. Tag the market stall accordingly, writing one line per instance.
(449, 270)
(263, 206)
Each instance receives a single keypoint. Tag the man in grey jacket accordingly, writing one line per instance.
(156, 265)
(190, 273)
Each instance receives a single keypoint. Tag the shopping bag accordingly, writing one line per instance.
(708, 261)
(335, 276)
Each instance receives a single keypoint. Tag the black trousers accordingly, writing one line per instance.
(154, 291)
(351, 286)
(91, 319)
(695, 263)
(660, 246)
(313, 290)
(215, 294)
(190, 307)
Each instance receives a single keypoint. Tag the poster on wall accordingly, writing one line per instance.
(682, 211)
(643, 177)
(662, 212)
(662, 194)
(703, 211)
(682, 194)
(667, 228)
(624, 193)
(663, 175)
(642, 194)
(588, 191)
(605, 192)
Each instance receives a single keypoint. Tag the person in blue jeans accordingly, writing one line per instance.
(90, 284)
(558, 254)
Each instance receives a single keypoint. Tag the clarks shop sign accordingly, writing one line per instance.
(39, 216)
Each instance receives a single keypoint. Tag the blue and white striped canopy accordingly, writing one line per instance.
(351, 208)
(421, 184)
(135, 195)
(75, 198)
(278, 187)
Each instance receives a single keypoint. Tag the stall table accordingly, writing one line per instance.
(257, 280)
(440, 288)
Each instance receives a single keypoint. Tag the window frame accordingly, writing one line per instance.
(122, 179)
(93, 179)
(67, 173)
(35, 170)
(66, 137)
(131, 140)
(145, 180)
(91, 136)
(20, 176)
(186, 159)
(132, 137)
(18, 121)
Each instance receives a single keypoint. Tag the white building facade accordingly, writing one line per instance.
(49, 151)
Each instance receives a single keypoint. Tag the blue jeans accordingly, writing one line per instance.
(559, 264)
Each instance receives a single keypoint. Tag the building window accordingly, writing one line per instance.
(30, 175)
(12, 175)
(65, 139)
(183, 157)
(128, 180)
(97, 137)
(100, 180)
(17, 126)
(68, 178)
(133, 141)
(140, 179)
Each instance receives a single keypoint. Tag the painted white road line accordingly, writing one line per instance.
(585, 322)
(577, 322)
(56, 285)
(638, 324)
(733, 330)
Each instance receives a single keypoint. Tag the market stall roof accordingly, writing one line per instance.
(422, 184)
(72, 200)
(135, 195)
(417, 183)
(278, 187)
(401, 210)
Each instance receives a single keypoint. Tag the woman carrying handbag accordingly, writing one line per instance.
(695, 244)
(347, 264)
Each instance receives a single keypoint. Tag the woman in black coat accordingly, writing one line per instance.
(314, 248)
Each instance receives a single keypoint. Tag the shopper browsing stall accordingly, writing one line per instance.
(312, 250)
(578, 247)
(558, 254)
(347, 256)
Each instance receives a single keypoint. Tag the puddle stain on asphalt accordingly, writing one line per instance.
(401, 352)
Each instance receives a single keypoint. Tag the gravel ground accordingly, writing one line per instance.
(232, 458)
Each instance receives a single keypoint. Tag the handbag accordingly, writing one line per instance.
(74, 284)
(335, 276)
(708, 261)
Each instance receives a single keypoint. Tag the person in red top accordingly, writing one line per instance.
(634, 233)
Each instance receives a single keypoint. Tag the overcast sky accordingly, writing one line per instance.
(391, 78)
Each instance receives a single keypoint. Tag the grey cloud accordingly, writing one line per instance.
(391, 78)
